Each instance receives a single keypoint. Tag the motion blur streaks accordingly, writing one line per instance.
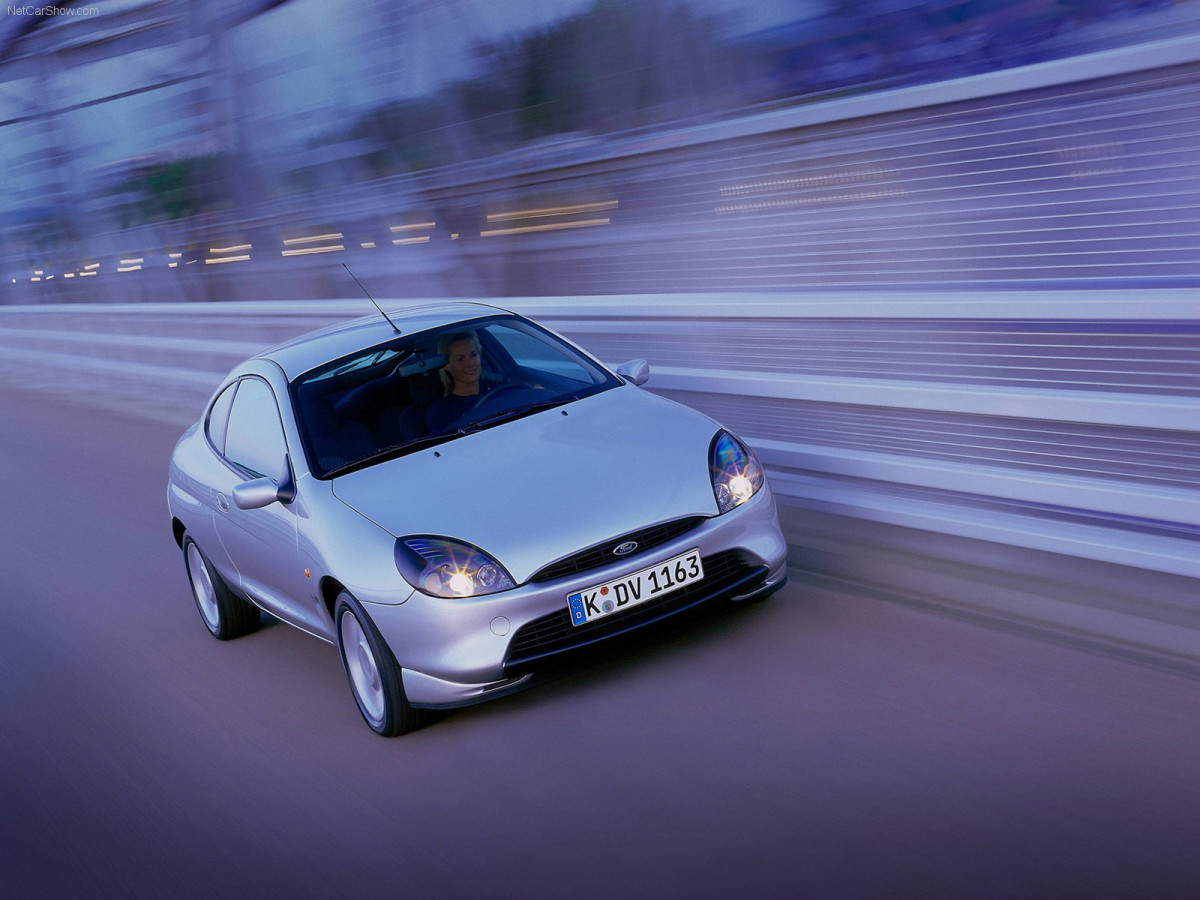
(223, 151)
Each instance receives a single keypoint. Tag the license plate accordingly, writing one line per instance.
(612, 596)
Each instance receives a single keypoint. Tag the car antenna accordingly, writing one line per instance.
(372, 299)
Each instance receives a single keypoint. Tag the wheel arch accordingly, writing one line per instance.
(178, 530)
(328, 589)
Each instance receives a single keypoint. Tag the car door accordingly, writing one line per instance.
(262, 543)
(192, 492)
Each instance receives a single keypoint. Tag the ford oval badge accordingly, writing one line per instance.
(623, 549)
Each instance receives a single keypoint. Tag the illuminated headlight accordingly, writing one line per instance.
(736, 474)
(446, 568)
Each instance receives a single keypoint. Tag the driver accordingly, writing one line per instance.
(460, 380)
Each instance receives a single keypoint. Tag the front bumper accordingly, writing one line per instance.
(456, 652)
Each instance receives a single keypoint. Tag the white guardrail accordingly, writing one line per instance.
(1065, 423)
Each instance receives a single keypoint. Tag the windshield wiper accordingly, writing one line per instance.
(416, 443)
(514, 413)
(389, 452)
(350, 466)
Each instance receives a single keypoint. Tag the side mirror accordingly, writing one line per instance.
(255, 494)
(636, 370)
(264, 491)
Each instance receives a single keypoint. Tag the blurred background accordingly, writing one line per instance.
(937, 261)
(185, 150)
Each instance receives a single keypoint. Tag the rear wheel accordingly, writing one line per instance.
(372, 671)
(225, 615)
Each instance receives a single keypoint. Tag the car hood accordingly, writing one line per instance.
(531, 491)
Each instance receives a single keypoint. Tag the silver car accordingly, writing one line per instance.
(461, 501)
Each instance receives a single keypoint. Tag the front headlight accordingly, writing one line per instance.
(446, 568)
(736, 474)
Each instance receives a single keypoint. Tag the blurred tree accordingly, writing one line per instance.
(172, 189)
(615, 66)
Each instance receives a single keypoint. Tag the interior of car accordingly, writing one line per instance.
(378, 400)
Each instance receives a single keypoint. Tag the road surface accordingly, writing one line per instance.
(823, 744)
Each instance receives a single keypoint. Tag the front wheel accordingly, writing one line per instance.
(225, 615)
(372, 671)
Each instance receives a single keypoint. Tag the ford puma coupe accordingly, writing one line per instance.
(459, 499)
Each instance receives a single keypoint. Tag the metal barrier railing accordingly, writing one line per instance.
(991, 415)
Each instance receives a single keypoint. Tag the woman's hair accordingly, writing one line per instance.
(444, 347)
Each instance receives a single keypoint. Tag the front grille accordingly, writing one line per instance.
(602, 554)
(554, 633)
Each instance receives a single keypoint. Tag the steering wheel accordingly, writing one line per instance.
(498, 390)
(469, 415)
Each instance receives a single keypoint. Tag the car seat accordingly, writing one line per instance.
(336, 440)
(400, 425)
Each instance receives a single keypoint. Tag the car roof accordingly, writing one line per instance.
(300, 354)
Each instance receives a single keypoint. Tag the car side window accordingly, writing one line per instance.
(255, 439)
(218, 418)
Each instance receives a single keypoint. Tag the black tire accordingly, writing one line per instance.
(224, 614)
(372, 671)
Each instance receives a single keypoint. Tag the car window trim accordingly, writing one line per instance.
(237, 467)
(233, 386)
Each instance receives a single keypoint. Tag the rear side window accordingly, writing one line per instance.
(218, 419)
(255, 437)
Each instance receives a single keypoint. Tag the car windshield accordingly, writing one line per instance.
(433, 387)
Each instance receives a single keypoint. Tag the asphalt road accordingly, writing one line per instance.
(822, 744)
